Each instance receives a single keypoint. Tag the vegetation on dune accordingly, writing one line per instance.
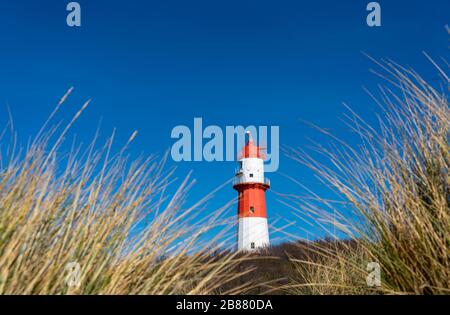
(95, 216)
(111, 217)
(397, 187)
(300, 267)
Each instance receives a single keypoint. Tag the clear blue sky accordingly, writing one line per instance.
(152, 65)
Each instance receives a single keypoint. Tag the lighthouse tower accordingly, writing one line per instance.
(251, 186)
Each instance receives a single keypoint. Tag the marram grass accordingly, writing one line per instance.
(395, 193)
(96, 210)
(93, 222)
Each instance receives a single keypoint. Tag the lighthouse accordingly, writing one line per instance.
(251, 185)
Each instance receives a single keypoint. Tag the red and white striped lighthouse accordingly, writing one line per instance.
(251, 185)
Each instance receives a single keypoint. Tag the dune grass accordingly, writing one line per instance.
(93, 222)
(394, 190)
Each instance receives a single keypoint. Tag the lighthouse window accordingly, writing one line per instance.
(252, 245)
(252, 209)
(251, 175)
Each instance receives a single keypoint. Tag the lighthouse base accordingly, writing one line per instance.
(253, 233)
